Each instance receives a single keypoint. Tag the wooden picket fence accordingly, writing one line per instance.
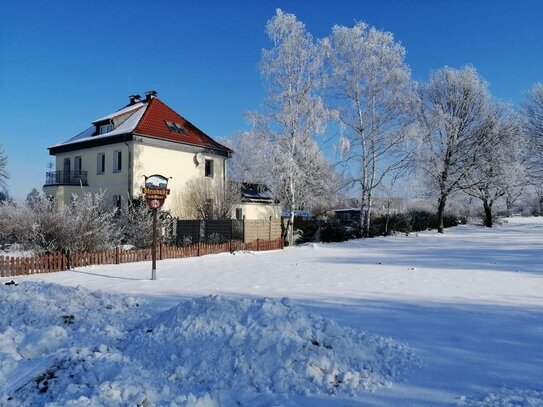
(20, 266)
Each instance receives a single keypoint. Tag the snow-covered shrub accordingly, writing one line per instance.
(15, 224)
(216, 238)
(187, 241)
(136, 222)
(44, 226)
(87, 224)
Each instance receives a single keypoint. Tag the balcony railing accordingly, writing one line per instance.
(66, 178)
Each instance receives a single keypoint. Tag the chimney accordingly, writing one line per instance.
(134, 99)
(150, 94)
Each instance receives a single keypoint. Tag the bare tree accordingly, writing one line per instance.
(499, 171)
(203, 200)
(453, 114)
(293, 112)
(372, 90)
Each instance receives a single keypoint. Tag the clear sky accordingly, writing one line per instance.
(65, 63)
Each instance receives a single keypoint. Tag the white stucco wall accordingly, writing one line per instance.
(180, 165)
(258, 211)
(113, 183)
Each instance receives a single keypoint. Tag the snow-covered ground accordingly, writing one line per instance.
(464, 311)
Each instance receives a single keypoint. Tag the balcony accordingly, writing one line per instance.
(66, 178)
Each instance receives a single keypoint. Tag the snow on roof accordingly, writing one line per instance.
(126, 127)
(150, 119)
(120, 112)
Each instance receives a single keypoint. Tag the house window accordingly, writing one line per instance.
(117, 161)
(106, 128)
(176, 127)
(209, 168)
(239, 213)
(77, 165)
(180, 128)
(100, 163)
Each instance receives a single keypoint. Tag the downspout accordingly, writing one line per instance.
(129, 168)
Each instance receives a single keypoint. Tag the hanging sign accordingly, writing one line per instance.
(155, 190)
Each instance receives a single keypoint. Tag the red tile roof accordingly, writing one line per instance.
(153, 124)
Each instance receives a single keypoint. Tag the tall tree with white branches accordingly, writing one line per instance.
(453, 114)
(533, 120)
(258, 159)
(371, 88)
(293, 113)
(499, 171)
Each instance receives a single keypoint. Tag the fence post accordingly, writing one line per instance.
(160, 251)
(257, 244)
(269, 230)
(198, 250)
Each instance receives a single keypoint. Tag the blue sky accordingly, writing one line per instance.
(66, 63)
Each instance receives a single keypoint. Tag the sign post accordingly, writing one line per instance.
(155, 192)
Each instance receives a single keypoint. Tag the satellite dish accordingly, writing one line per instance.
(199, 158)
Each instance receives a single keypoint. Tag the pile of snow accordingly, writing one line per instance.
(71, 346)
(264, 345)
(506, 398)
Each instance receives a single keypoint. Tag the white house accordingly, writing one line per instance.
(143, 138)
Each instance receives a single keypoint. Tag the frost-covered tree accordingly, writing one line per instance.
(251, 159)
(533, 120)
(293, 113)
(499, 170)
(258, 159)
(372, 90)
(453, 115)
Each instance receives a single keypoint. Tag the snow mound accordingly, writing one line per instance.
(506, 398)
(264, 345)
(41, 325)
(62, 346)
